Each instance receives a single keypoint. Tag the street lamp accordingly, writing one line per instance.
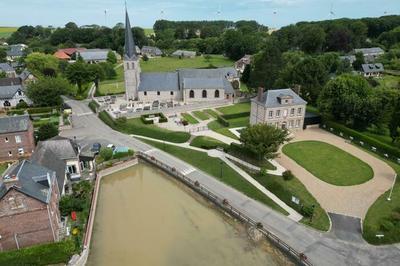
(391, 190)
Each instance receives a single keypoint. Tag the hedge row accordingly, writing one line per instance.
(93, 105)
(223, 121)
(53, 253)
(358, 136)
(237, 115)
(162, 118)
(36, 110)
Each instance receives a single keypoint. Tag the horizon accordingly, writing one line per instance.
(271, 13)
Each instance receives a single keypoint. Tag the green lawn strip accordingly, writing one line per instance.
(212, 166)
(234, 109)
(381, 217)
(171, 64)
(285, 189)
(211, 112)
(207, 143)
(3, 167)
(201, 115)
(329, 163)
(53, 253)
(217, 127)
(239, 152)
(136, 126)
(189, 118)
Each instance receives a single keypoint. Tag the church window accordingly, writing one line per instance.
(216, 94)
(204, 94)
(145, 93)
(127, 65)
(191, 94)
(172, 93)
(158, 93)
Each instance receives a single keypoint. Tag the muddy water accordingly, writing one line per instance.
(145, 217)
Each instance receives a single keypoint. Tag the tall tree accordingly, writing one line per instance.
(359, 61)
(79, 74)
(111, 57)
(47, 131)
(47, 91)
(42, 64)
(313, 38)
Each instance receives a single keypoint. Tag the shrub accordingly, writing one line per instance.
(222, 121)
(184, 122)
(93, 105)
(106, 153)
(40, 110)
(145, 58)
(307, 211)
(236, 115)
(22, 105)
(387, 226)
(47, 131)
(123, 154)
(287, 175)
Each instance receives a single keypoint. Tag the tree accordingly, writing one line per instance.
(246, 74)
(106, 153)
(3, 74)
(350, 99)
(3, 55)
(111, 57)
(47, 131)
(42, 64)
(263, 139)
(359, 61)
(96, 73)
(145, 58)
(394, 123)
(47, 91)
(313, 38)
(79, 74)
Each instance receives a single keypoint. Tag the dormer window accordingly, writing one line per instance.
(285, 99)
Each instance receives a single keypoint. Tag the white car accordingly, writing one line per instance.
(111, 146)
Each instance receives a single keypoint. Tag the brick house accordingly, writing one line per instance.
(29, 214)
(16, 137)
(282, 108)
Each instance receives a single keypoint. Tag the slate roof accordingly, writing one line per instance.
(48, 159)
(32, 180)
(8, 92)
(203, 83)
(207, 73)
(155, 51)
(10, 82)
(94, 54)
(184, 53)
(372, 50)
(270, 98)
(63, 148)
(18, 123)
(129, 48)
(6, 67)
(372, 68)
(25, 74)
(167, 81)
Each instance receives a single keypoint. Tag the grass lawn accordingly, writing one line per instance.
(234, 109)
(189, 118)
(217, 127)
(389, 81)
(3, 167)
(211, 112)
(165, 64)
(6, 32)
(207, 143)
(113, 86)
(383, 217)
(201, 115)
(212, 166)
(285, 189)
(329, 163)
(136, 126)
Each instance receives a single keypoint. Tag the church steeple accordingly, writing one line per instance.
(130, 48)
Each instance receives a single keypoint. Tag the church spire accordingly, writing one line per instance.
(130, 49)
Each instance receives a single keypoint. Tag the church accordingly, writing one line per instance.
(184, 85)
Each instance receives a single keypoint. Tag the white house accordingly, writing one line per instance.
(372, 70)
(12, 92)
(282, 108)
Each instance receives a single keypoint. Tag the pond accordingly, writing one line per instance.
(145, 217)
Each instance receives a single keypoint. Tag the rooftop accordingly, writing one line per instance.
(6, 67)
(372, 68)
(166, 81)
(18, 123)
(271, 98)
(63, 148)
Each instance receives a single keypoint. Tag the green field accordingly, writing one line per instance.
(213, 166)
(136, 126)
(113, 86)
(6, 32)
(168, 64)
(285, 189)
(201, 115)
(236, 108)
(211, 112)
(328, 163)
(383, 217)
(190, 119)
(217, 127)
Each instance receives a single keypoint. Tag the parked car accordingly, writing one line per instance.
(96, 148)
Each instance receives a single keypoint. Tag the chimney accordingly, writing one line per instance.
(260, 94)
(10, 180)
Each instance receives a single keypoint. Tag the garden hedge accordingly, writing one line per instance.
(237, 115)
(223, 121)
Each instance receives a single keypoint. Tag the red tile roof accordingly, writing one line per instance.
(62, 55)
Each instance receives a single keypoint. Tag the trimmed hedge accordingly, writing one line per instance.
(53, 253)
(358, 136)
(93, 105)
(161, 119)
(237, 115)
(223, 121)
(38, 110)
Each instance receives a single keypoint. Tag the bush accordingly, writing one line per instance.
(184, 122)
(93, 105)
(22, 105)
(40, 110)
(145, 121)
(222, 121)
(123, 154)
(287, 175)
(236, 115)
(53, 253)
(307, 211)
(145, 58)
(106, 153)
(47, 131)
(381, 147)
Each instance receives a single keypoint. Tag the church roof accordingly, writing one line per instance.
(167, 81)
(129, 49)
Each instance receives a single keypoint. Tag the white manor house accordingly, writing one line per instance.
(183, 85)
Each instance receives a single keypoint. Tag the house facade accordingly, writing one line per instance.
(151, 51)
(15, 51)
(12, 92)
(282, 108)
(29, 212)
(16, 137)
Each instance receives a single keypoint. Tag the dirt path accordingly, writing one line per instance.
(347, 200)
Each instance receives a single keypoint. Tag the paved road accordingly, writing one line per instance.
(321, 248)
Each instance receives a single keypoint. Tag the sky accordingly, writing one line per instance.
(143, 13)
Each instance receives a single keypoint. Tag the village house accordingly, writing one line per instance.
(151, 51)
(67, 53)
(370, 54)
(184, 54)
(282, 108)
(8, 70)
(12, 92)
(29, 213)
(27, 77)
(93, 56)
(241, 64)
(15, 51)
(372, 70)
(16, 137)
